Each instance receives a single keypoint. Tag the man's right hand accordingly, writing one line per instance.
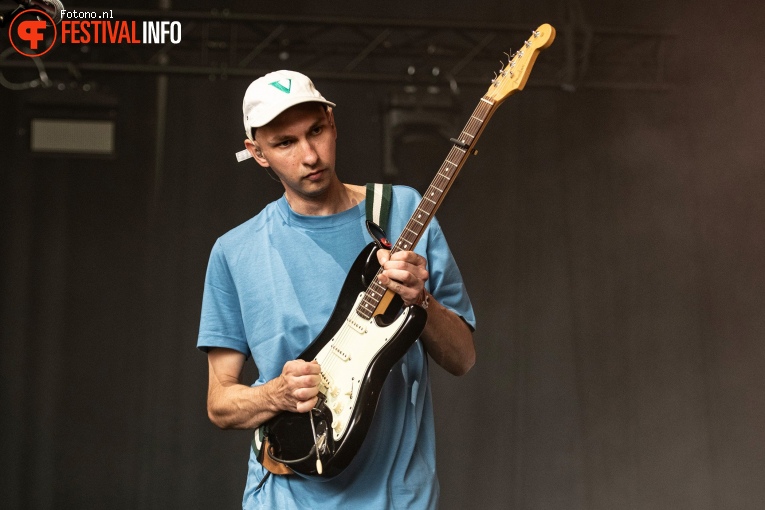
(297, 388)
(233, 405)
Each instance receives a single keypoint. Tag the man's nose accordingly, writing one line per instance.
(310, 156)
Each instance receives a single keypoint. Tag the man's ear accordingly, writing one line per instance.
(331, 119)
(257, 154)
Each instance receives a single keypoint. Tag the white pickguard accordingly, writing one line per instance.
(345, 360)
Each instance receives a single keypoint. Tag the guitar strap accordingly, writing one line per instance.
(378, 201)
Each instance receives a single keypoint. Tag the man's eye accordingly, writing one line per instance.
(317, 130)
(285, 143)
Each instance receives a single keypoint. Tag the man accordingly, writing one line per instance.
(272, 283)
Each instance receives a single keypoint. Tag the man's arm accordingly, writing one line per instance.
(447, 338)
(231, 404)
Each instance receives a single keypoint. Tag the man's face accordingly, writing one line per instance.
(299, 146)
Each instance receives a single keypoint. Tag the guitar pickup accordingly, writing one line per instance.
(356, 325)
(340, 354)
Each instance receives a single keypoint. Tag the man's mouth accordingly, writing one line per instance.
(313, 176)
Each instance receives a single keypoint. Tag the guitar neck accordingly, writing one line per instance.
(463, 146)
(442, 182)
(512, 78)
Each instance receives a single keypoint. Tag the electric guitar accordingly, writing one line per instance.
(369, 331)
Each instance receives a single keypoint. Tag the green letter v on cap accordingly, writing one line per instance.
(280, 85)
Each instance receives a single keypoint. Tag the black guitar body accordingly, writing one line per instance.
(292, 435)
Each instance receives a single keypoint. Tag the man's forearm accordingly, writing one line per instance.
(231, 404)
(448, 339)
(238, 406)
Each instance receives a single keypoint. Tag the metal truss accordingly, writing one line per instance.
(223, 44)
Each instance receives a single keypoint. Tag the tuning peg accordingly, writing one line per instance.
(509, 58)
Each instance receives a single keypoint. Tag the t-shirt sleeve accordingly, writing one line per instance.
(445, 282)
(221, 323)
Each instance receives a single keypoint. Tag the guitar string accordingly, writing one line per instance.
(341, 341)
(340, 337)
(440, 182)
(437, 188)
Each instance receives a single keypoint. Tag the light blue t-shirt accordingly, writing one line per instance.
(271, 285)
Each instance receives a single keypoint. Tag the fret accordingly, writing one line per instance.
(487, 101)
(429, 200)
(476, 118)
(404, 239)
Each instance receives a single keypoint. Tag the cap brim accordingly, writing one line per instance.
(300, 100)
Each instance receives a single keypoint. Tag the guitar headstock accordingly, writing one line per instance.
(514, 75)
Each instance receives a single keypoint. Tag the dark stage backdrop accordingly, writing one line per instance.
(612, 243)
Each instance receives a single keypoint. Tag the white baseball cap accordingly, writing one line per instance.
(270, 95)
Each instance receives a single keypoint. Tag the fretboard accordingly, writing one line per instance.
(432, 198)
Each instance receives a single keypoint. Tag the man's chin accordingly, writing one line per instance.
(315, 189)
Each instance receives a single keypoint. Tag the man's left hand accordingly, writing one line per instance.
(405, 273)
